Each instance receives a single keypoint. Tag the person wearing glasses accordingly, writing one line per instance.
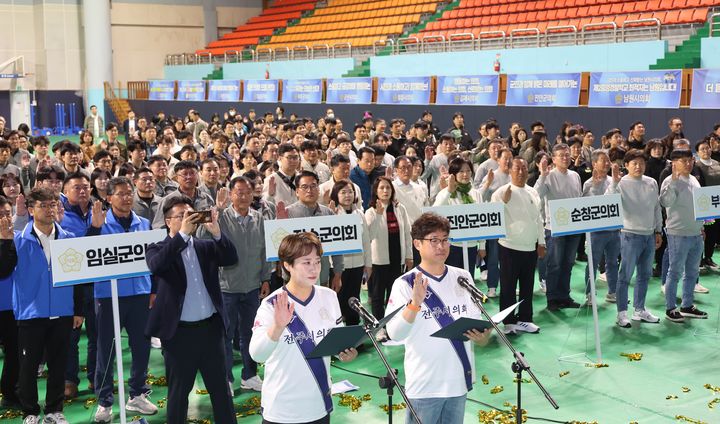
(307, 190)
(280, 186)
(186, 173)
(45, 314)
(438, 372)
(134, 301)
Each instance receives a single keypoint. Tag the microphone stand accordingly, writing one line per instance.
(390, 380)
(518, 366)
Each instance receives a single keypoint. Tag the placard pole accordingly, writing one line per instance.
(593, 298)
(118, 349)
(465, 257)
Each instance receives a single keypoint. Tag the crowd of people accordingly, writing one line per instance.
(248, 169)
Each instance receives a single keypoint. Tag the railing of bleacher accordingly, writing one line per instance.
(715, 25)
(593, 33)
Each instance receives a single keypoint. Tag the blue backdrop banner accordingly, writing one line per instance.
(404, 90)
(548, 90)
(642, 89)
(302, 91)
(349, 90)
(705, 89)
(477, 90)
(191, 90)
(224, 90)
(264, 91)
(162, 90)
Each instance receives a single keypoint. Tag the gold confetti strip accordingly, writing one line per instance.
(524, 380)
(354, 402)
(597, 365)
(199, 421)
(632, 356)
(162, 402)
(135, 418)
(564, 373)
(671, 397)
(633, 422)
(713, 402)
(485, 380)
(90, 402)
(395, 406)
(201, 392)
(68, 401)
(688, 419)
(11, 414)
(685, 389)
(715, 389)
(497, 389)
(583, 422)
(159, 381)
(500, 417)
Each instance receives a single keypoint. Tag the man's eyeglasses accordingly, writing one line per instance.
(308, 187)
(436, 242)
(46, 206)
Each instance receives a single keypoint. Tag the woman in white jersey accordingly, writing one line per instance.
(288, 326)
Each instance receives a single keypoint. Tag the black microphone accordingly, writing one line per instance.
(474, 291)
(367, 317)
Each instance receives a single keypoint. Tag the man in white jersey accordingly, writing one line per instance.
(438, 371)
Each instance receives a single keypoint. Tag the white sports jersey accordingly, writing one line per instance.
(290, 393)
(432, 367)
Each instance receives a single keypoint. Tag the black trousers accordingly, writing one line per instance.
(712, 237)
(383, 277)
(36, 336)
(517, 267)
(198, 347)
(11, 366)
(323, 420)
(351, 282)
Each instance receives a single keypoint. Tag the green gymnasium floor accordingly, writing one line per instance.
(667, 382)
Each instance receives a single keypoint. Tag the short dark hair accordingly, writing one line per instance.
(118, 181)
(185, 164)
(305, 173)
(492, 124)
(633, 154)
(40, 194)
(40, 140)
(363, 150)
(141, 170)
(376, 184)
(339, 185)
(456, 165)
(75, 176)
(101, 154)
(171, 202)
(427, 223)
(133, 145)
(4, 202)
(655, 142)
(110, 126)
(308, 145)
(680, 154)
(243, 179)
(297, 245)
(4, 145)
(286, 147)
(69, 147)
(337, 160)
(46, 172)
(156, 158)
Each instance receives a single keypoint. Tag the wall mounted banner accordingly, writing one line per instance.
(549, 90)
(162, 90)
(705, 89)
(349, 90)
(706, 203)
(191, 90)
(404, 90)
(478, 90)
(585, 214)
(339, 234)
(642, 89)
(224, 90)
(264, 91)
(302, 91)
(473, 221)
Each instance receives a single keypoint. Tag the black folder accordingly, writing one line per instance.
(457, 330)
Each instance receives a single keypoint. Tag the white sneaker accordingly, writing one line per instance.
(103, 414)
(602, 277)
(622, 320)
(509, 329)
(644, 315)
(700, 289)
(527, 327)
(31, 419)
(252, 383)
(543, 286)
(155, 343)
(662, 288)
(55, 418)
(492, 292)
(483, 275)
(141, 404)
(610, 298)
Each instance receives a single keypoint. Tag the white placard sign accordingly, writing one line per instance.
(339, 234)
(475, 221)
(585, 214)
(706, 203)
(97, 258)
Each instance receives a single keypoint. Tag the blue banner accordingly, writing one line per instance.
(302, 91)
(191, 90)
(349, 90)
(404, 90)
(705, 89)
(224, 90)
(549, 90)
(264, 91)
(477, 90)
(643, 89)
(162, 90)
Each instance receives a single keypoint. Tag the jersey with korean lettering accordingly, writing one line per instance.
(433, 369)
(290, 392)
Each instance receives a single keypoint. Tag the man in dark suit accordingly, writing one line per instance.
(130, 125)
(188, 315)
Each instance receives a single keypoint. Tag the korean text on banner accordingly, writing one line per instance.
(556, 90)
(302, 91)
(705, 89)
(404, 90)
(706, 203)
(349, 90)
(112, 256)
(477, 90)
(223, 90)
(339, 234)
(642, 89)
(162, 90)
(473, 221)
(191, 91)
(585, 214)
(263, 91)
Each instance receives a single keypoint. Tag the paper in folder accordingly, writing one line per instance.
(341, 338)
(457, 330)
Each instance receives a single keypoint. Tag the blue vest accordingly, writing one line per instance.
(6, 287)
(73, 221)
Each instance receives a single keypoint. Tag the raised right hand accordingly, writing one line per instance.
(507, 194)
(272, 186)
(544, 166)
(282, 315)
(419, 289)
(98, 214)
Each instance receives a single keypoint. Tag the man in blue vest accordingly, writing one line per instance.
(134, 304)
(45, 314)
